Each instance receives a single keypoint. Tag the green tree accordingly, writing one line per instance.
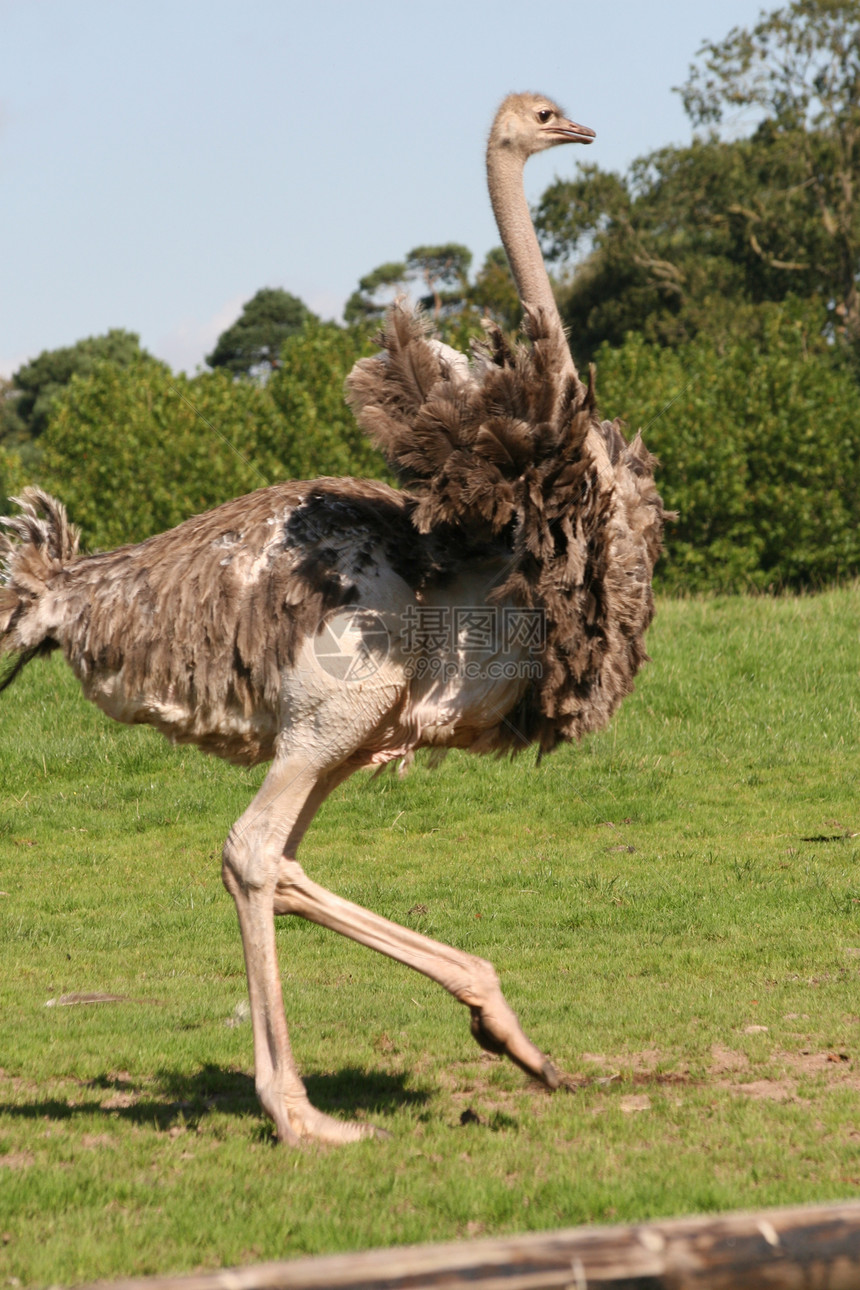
(135, 450)
(375, 292)
(494, 291)
(759, 450)
(316, 430)
(26, 405)
(12, 476)
(800, 68)
(667, 250)
(444, 272)
(255, 338)
(691, 237)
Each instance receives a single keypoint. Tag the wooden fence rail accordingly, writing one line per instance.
(810, 1247)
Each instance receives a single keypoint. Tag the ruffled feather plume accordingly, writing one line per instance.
(39, 543)
(503, 453)
(46, 541)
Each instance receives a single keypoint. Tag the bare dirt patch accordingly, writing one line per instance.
(17, 1160)
(809, 1063)
(477, 1098)
(119, 1101)
(635, 1102)
(773, 1090)
(647, 1060)
(788, 1069)
(835, 1067)
(776, 1078)
(725, 1060)
(97, 1141)
(637, 1068)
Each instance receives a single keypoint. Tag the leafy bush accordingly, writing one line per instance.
(134, 450)
(256, 337)
(11, 476)
(759, 441)
(26, 403)
(307, 391)
(137, 449)
(759, 444)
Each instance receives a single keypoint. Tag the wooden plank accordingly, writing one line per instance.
(813, 1247)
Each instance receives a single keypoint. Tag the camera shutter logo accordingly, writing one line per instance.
(352, 644)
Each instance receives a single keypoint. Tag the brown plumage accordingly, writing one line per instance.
(504, 457)
(238, 593)
(335, 623)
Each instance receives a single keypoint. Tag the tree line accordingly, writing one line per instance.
(713, 285)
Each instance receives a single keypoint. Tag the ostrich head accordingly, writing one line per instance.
(526, 124)
(530, 123)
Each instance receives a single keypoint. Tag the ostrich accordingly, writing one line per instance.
(293, 625)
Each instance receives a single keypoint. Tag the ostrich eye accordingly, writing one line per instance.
(544, 115)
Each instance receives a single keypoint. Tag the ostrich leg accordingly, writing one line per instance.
(273, 824)
(262, 874)
(471, 980)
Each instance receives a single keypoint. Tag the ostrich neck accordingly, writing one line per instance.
(505, 182)
(514, 221)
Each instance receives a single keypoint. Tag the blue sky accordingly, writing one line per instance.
(160, 162)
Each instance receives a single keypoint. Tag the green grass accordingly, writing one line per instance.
(646, 897)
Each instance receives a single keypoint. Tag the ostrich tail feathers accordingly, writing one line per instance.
(46, 541)
(37, 545)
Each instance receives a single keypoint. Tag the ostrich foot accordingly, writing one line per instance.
(498, 1030)
(296, 1121)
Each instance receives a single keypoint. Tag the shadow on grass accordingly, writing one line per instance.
(174, 1097)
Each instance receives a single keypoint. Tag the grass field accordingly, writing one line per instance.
(674, 909)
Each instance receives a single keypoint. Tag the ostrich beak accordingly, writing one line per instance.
(570, 132)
